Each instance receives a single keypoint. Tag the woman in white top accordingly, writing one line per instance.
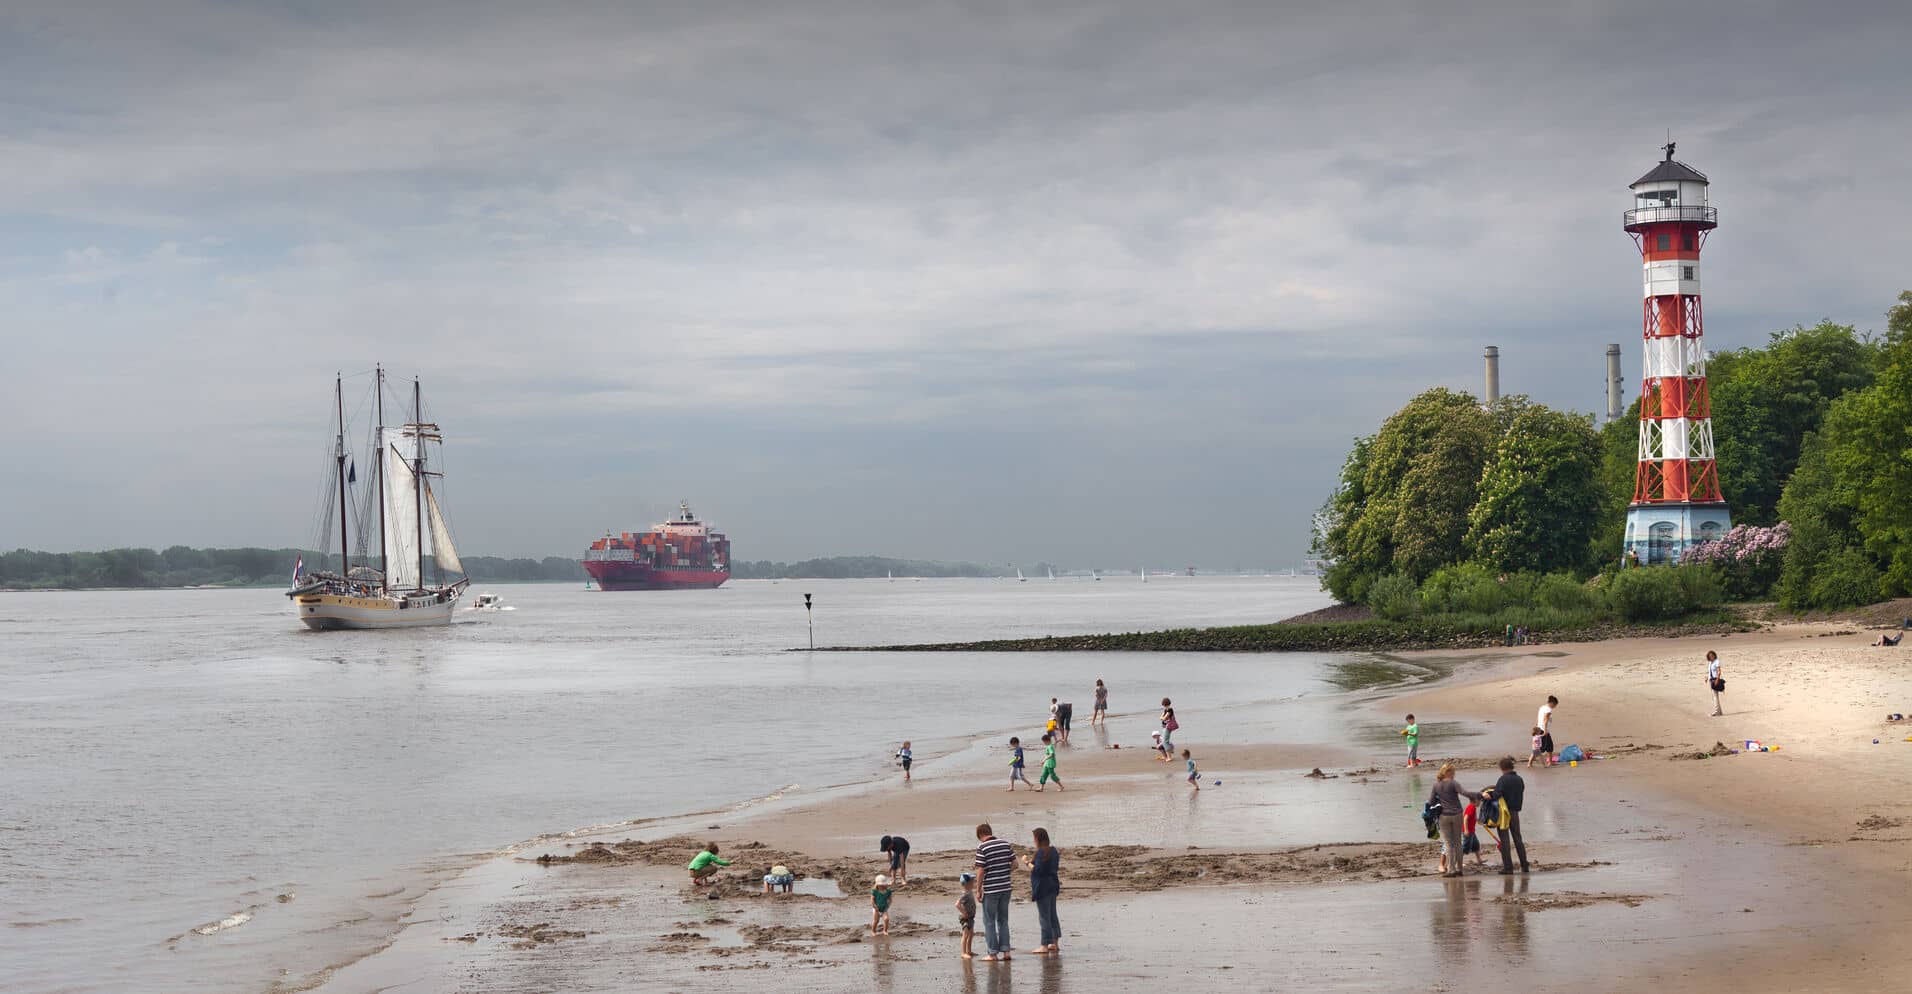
(1715, 681)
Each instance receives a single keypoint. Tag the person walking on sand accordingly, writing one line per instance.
(1448, 792)
(1064, 712)
(1100, 716)
(1513, 790)
(904, 758)
(1169, 725)
(995, 861)
(1544, 722)
(1015, 763)
(1413, 733)
(1194, 775)
(1048, 764)
(1044, 886)
(1715, 681)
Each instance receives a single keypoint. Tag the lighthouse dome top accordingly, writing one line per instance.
(1671, 191)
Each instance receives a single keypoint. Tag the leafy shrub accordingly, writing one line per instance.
(1395, 597)
(1464, 588)
(1700, 587)
(1849, 579)
(1559, 592)
(1646, 594)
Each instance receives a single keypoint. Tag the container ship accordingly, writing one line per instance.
(683, 554)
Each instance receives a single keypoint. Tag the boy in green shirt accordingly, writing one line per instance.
(704, 865)
(1413, 733)
(1048, 764)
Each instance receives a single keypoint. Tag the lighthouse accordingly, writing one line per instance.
(1676, 497)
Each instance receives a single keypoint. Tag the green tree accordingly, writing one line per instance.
(1852, 489)
(1404, 495)
(1540, 494)
(1767, 400)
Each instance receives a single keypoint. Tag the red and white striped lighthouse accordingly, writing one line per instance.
(1676, 496)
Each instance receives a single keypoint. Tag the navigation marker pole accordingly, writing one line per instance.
(811, 620)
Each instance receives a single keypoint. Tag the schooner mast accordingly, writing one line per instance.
(338, 454)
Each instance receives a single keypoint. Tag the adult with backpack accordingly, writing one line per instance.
(1507, 793)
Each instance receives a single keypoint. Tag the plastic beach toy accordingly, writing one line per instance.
(1572, 763)
(1218, 783)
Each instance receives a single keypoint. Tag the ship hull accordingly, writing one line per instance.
(632, 576)
(326, 611)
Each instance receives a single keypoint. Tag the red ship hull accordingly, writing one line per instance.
(635, 576)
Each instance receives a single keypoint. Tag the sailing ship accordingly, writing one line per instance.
(396, 594)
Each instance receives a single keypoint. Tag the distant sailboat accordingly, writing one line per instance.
(1145, 574)
(1052, 573)
(890, 575)
(1019, 577)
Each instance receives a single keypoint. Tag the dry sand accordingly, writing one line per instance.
(1783, 870)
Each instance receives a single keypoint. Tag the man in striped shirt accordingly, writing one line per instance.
(995, 861)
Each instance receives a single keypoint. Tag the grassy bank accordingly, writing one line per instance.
(1376, 635)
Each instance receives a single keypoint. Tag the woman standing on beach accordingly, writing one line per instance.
(1169, 725)
(1100, 716)
(1448, 792)
(1044, 886)
(1715, 681)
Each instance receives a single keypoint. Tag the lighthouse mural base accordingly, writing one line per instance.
(1659, 534)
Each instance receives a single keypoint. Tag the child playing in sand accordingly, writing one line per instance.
(903, 758)
(779, 879)
(897, 848)
(704, 865)
(1194, 775)
(1048, 763)
(880, 905)
(1413, 733)
(1015, 763)
(1539, 744)
(1161, 751)
(966, 913)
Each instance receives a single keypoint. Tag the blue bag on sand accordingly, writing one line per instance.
(1572, 754)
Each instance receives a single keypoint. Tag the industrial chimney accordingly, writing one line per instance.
(1614, 392)
(1492, 355)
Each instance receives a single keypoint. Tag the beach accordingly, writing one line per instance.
(1777, 870)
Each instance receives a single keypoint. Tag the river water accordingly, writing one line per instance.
(198, 795)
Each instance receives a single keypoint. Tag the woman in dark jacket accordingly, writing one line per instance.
(1044, 885)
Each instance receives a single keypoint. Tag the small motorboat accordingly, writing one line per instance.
(489, 602)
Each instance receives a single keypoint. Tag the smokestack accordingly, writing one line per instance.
(1614, 406)
(1492, 355)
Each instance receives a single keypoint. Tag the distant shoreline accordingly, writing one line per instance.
(1367, 635)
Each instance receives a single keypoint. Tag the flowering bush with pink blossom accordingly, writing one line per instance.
(1748, 558)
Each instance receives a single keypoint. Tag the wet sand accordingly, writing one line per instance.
(1769, 871)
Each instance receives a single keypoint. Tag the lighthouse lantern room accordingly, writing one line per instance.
(1676, 497)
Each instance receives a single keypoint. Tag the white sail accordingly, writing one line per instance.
(1052, 573)
(442, 548)
(1019, 575)
(401, 512)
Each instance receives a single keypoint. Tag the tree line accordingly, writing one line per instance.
(1813, 438)
(183, 566)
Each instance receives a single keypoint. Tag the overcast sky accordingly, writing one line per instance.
(1105, 284)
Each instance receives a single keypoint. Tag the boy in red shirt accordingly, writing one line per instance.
(1469, 841)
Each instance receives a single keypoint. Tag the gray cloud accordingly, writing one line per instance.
(1094, 282)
